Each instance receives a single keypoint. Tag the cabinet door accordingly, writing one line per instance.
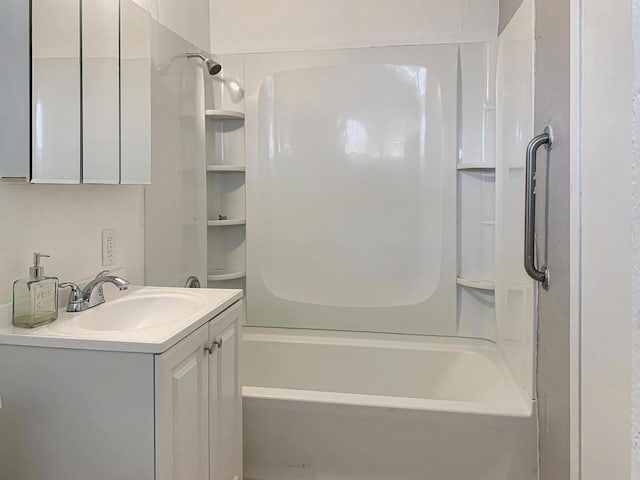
(14, 90)
(225, 401)
(135, 94)
(55, 91)
(100, 92)
(182, 414)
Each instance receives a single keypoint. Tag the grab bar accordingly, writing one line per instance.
(539, 275)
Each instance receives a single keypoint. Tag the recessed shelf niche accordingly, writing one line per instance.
(477, 227)
(476, 248)
(225, 142)
(226, 253)
(225, 196)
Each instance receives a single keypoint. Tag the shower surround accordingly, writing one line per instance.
(390, 323)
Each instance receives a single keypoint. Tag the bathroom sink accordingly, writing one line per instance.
(135, 311)
(140, 319)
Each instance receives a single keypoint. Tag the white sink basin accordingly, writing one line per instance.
(140, 319)
(135, 311)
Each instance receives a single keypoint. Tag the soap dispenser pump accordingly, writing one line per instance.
(35, 299)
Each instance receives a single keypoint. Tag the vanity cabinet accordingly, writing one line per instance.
(199, 404)
(75, 92)
(77, 414)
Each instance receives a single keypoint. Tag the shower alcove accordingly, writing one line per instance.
(370, 201)
(390, 323)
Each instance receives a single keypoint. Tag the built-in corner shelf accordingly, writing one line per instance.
(226, 276)
(224, 223)
(477, 283)
(476, 166)
(224, 114)
(225, 180)
(226, 168)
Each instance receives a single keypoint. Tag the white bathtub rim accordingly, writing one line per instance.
(375, 339)
(514, 409)
(484, 347)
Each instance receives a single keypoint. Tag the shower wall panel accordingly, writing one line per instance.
(175, 213)
(515, 291)
(351, 189)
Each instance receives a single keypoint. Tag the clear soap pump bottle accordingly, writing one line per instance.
(35, 299)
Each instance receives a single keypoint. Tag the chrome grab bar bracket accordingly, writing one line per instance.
(548, 130)
(538, 274)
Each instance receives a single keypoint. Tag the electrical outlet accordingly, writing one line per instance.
(108, 247)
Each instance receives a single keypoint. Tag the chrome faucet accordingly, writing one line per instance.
(92, 295)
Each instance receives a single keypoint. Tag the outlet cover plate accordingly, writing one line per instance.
(108, 247)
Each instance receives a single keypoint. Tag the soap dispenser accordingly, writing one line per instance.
(35, 299)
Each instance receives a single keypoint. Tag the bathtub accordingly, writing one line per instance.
(344, 407)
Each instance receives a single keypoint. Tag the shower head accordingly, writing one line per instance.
(212, 66)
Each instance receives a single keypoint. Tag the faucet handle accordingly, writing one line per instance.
(76, 291)
(76, 298)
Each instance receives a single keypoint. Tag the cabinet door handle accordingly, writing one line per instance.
(217, 343)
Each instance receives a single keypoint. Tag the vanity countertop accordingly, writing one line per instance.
(140, 319)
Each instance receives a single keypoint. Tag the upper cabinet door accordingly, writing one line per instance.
(55, 91)
(100, 91)
(135, 99)
(14, 90)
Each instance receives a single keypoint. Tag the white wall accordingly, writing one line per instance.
(606, 273)
(552, 92)
(635, 253)
(187, 18)
(239, 26)
(66, 222)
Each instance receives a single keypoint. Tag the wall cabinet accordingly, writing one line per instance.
(75, 91)
(80, 414)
